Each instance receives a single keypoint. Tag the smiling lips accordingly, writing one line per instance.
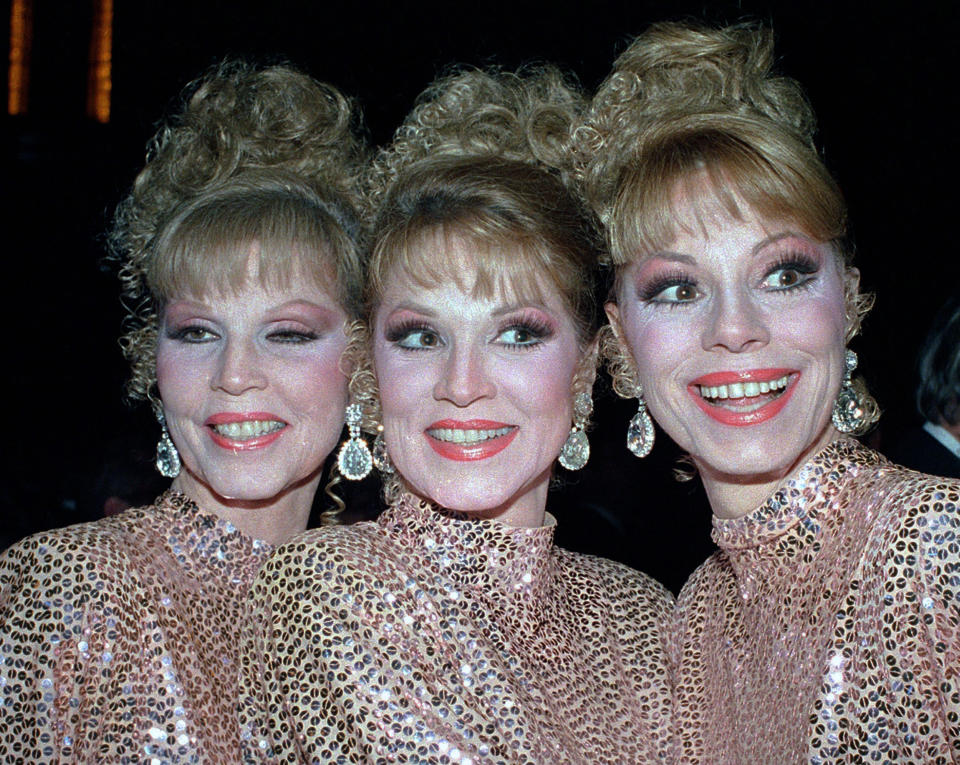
(246, 431)
(465, 441)
(744, 398)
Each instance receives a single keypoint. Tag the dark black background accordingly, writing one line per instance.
(881, 77)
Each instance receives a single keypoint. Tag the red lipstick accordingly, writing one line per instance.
(469, 451)
(726, 412)
(243, 444)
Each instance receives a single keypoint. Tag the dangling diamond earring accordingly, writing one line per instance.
(576, 449)
(354, 460)
(640, 432)
(168, 460)
(848, 412)
(381, 460)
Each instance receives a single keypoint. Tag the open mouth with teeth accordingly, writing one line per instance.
(749, 399)
(246, 434)
(467, 437)
(470, 440)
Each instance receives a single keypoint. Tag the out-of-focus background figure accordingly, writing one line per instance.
(934, 446)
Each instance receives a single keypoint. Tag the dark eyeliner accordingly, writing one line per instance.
(649, 291)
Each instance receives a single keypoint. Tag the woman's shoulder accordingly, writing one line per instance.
(906, 499)
(98, 547)
(329, 551)
(617, 579)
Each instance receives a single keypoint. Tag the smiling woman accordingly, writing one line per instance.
(826, 625)
(452, 629)
(239, 252)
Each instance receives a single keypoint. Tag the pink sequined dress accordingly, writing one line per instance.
(827, 627)
(118, 638)
(424, 637)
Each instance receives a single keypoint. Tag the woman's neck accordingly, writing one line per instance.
(734, 496)
(274, 521)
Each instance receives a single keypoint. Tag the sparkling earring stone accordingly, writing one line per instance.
(354, 460)
(848, 415)
(576, 450)
(640, 433)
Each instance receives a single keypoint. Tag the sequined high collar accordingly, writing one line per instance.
(477, 554)
(793, 519)
(201, 540)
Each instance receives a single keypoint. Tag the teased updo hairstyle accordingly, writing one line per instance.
(483, 157)
(256, 157)
(700, 109)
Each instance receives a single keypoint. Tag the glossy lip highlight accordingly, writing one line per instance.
(245, 444)
(485, 444)
(727, 416)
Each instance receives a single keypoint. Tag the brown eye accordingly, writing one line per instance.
(788, 277)
(686, 292)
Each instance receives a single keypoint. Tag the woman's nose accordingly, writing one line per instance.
(239, 369)
(735, 323)
(463, 378)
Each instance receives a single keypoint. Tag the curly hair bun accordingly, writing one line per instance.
(523, 117)
(676, 77)
(242, 130)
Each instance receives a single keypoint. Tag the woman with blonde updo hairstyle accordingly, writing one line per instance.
(239, 247)
(452, 629)
(826, 624)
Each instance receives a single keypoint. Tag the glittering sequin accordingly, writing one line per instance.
(425, 637)
(827, 628)
(118, 639)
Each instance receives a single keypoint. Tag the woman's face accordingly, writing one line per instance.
(251, 388)
(476, 393)
(738, 335)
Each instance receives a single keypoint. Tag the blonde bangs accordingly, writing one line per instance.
(679, 184)
(498, 262)
(208, 249)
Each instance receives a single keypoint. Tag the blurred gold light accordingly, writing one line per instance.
(99, 81)
(21, 37)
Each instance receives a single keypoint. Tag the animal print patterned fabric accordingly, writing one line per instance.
(827, 628)
(428, 637)
(119, 638)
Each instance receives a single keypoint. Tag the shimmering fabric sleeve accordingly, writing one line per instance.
(324, 673)
(57, 636)
(916, 616)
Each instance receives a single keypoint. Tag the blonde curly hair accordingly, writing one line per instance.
(256, 156)
(702, 110)
(483, 156)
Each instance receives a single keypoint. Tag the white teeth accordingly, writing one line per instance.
(241, 431)
(461, 436)
(743, 390)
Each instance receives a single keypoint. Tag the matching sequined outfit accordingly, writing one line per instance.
(428, 637)
(119, 638)
(827, 627)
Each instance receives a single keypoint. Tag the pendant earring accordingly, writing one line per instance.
(640, 432)
(381, 460)
(354, 460)
(848, 412)
(168, 460)
(576, 449)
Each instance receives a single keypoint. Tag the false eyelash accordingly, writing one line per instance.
(799, 262)
(651, 289)
(397, 332)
